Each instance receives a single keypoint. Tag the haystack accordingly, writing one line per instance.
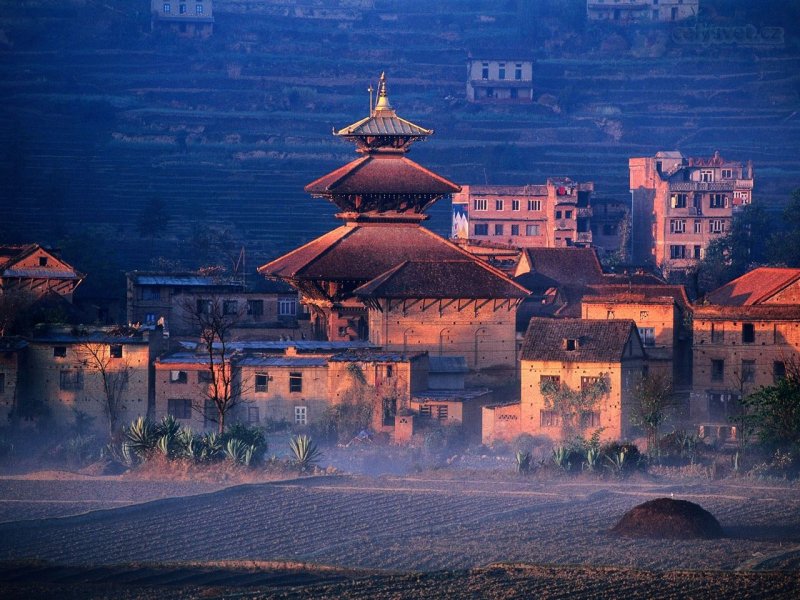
(668, 518)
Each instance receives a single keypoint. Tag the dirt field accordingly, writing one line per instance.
(446, 530)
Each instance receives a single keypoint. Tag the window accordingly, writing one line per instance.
(727, 173)
(498, 205)
(697, 252)
(515, 205)
(182, 9)
(295, 382)
(262, 382)
(150, 318)
(717, 333)
(204, 307)
(648, 335)
(587, 383)
(151, 293)
(778, 371)
(42, 261)
(501, 72)
(718, 201)
(485, 70)
(518, 71)
(115, 350)
(748, 371)
(567, 214)
(210, 412)
(178, 377)
(590, 418)
(748, 333)
(610, 314)
(255, 308)
(252, 414)
(716, 226)
(71, 380)
(532, 229)
(180, 408)
(679, 200)
(481, 204)
(558, 214)
(698, 226)
(204, 377)
(425, 410)
(167, 8)
(515, 230)
(230, 307)
(707, 176)
(548, 418)
(498, 229)
(549, 381)
(198, 9)
(677, 226)
(643, 314)
(717, 369)
(2, 383)
(441, 412)
(535, 205)
(287, 307)
(389, 371)
(570, 345)
(300, 415)
(59, 351)
(723, 406)
(677, 252)
(482, 229)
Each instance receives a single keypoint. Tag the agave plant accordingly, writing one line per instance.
(187, 445)
(211, 447)
(592, 458)
(523, 461)
(617, 461)
(305, 451)
(141, 438)
(561, 457)
(235, 450)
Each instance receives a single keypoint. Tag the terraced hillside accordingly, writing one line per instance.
(99, 116)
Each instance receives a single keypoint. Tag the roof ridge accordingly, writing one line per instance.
(341, 232)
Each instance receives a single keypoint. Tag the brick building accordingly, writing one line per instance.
(12, 364)
(746, 333)
(627, 11)
(680, 205)
(188, 18)
(35, 270)
(556, 214)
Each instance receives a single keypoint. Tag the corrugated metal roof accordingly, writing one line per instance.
(447, 364)
(177, 280)
(279, 346)
(375, 356)
(450, 395)
(379, 125)
(40, 273)
(283, 361)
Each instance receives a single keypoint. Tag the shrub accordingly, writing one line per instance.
(141, 437)
(622, 459)
(305, 452)
(523, 461)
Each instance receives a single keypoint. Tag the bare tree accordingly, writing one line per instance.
(653, 398)
(214, 319)
(105, 356)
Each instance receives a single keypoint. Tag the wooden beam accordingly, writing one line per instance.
(443, 305)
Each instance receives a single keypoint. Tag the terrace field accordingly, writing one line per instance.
(380, 537)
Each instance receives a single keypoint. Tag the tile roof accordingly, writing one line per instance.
(450, 395)
(441, 279)
(752, 312)
(566, 265)
(390, 173)
(12, 344)
(383, 125)
(755, 287)
(597, 340)
(376, 356)
(282, 361)
(12, 254)
(356, 252)
(632, 293)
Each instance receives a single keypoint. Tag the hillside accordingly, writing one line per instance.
(101, 118)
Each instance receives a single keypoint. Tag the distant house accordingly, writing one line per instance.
(746, 335)
(627, 11)
(35, 270)
(190, 18)
(556, 214)
(610, 224)
(498, 77)
(270, 311)
(12, 357)
(575, 353)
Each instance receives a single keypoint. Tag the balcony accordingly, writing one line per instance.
(585, 212)
(702, 186)
(584, 237)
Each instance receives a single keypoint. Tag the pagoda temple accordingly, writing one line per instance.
(383, 277)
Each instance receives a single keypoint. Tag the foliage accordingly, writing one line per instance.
(522, 461)
(305, 452)
(79, 449)
(653, 398)
(773, 412)
(592, 459)
(141, 438)
(572, 405)
(622, 459)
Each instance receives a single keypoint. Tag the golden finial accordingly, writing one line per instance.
(383, 99)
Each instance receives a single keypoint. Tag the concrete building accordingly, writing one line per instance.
(499, 77)
(556, 214)
(746, 335)
(628, 11)
(610, 225)
(680, 205)
(382, 276)
(189, 18)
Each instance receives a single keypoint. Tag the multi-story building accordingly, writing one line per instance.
(611, 225)
(746, 335)
(680, 205)
(382, 276)
(626, 11)
(271, 311)
(186, 17)
(556, 214)
(499, 77)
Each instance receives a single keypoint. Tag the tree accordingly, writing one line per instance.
(114, 369)
(653, 399)
(153, 219)
(573, 406)
(214, 318)
(773, 412)
(784, 247)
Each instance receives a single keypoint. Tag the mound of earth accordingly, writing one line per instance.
(668, 518)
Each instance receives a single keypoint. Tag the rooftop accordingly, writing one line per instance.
(595, 340)
(756, 287)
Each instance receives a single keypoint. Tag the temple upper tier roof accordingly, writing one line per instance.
(383, 129)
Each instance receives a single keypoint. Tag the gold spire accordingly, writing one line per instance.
(383, 100)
